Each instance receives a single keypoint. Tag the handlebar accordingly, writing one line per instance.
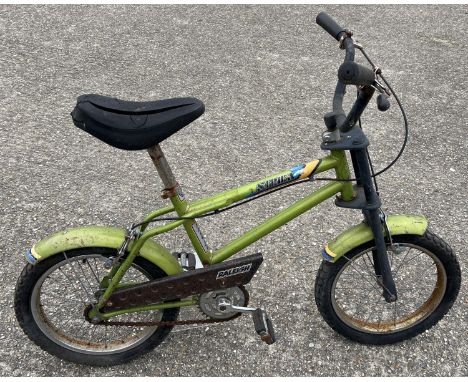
(349, 73)
(326, 22)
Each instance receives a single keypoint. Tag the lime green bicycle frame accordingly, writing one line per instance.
(187, 212)
(337, 161)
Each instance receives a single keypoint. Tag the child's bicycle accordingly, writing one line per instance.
(102, 296)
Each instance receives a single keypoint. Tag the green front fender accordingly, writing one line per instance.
(107, 237)
(361, 233)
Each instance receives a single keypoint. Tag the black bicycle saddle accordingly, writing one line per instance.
(131, 125)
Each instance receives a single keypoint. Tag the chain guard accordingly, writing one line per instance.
(172, 323)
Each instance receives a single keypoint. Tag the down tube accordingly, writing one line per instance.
(276, 221)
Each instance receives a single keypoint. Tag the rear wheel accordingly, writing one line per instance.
(427, 276)
(52, 296)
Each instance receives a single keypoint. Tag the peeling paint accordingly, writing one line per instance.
(107, 237)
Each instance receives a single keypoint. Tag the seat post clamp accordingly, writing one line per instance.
(169, 192)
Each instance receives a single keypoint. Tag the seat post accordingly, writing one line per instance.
(174, 192)
(172, 188)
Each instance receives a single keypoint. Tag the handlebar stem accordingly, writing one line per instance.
(348, 45)
(364, 96)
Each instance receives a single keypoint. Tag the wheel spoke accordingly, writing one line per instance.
(361, 274)
(371, 267)
(362, 305)
(94, 274)
(90, 295)
(63, 295)
(72, 284)
(395, 313)
(372, 310)
(78, 277)
(403, 261)
(414, 276)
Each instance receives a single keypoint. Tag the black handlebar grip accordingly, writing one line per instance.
(351, 73)
(326, 22)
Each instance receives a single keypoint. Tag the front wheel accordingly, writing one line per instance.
(427, 276)
(51, 300)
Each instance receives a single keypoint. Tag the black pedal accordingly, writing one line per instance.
(264, 326)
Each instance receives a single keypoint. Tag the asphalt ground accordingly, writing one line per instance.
(266, 75)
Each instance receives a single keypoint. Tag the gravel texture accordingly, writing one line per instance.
(266, 75)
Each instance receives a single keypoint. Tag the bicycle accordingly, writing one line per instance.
(103, 295)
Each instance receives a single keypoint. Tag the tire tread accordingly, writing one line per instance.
(328, 271)
(24, 286)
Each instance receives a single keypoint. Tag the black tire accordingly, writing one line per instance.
(351, 323)
(24, 312)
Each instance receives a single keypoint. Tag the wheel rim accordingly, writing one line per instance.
(420, 279)
(59, 298)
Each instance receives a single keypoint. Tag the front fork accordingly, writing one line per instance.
(373, 219)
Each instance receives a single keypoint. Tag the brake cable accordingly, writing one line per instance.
(373, 173)
(405, 119)
(219, 210)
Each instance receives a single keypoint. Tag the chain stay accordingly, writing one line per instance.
(166, 323)
(180, 322)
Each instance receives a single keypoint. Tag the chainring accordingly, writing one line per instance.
(208, 302)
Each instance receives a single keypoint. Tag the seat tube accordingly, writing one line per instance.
(173, 191)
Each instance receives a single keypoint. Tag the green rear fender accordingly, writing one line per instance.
(361, 233)
(95, 236)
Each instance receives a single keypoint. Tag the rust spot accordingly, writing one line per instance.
(423, 311)
(169, 192)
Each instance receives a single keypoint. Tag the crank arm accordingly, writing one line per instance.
(226, 306)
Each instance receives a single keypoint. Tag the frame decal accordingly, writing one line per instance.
(272, 183)
(335, 161)
(301, 171)
(198, 234)
(233, 271)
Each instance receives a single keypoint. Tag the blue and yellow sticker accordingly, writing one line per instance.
(301, 171)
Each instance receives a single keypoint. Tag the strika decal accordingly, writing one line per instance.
(301, 171)
(263, 186)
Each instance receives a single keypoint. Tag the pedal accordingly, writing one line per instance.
(186, 260)
(264, 326)
(262, 323)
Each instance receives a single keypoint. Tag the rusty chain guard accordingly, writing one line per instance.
(174, 323)
(185, 284)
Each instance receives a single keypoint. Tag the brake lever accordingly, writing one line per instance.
(383, 104)
(358, 45)
(378, 85)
